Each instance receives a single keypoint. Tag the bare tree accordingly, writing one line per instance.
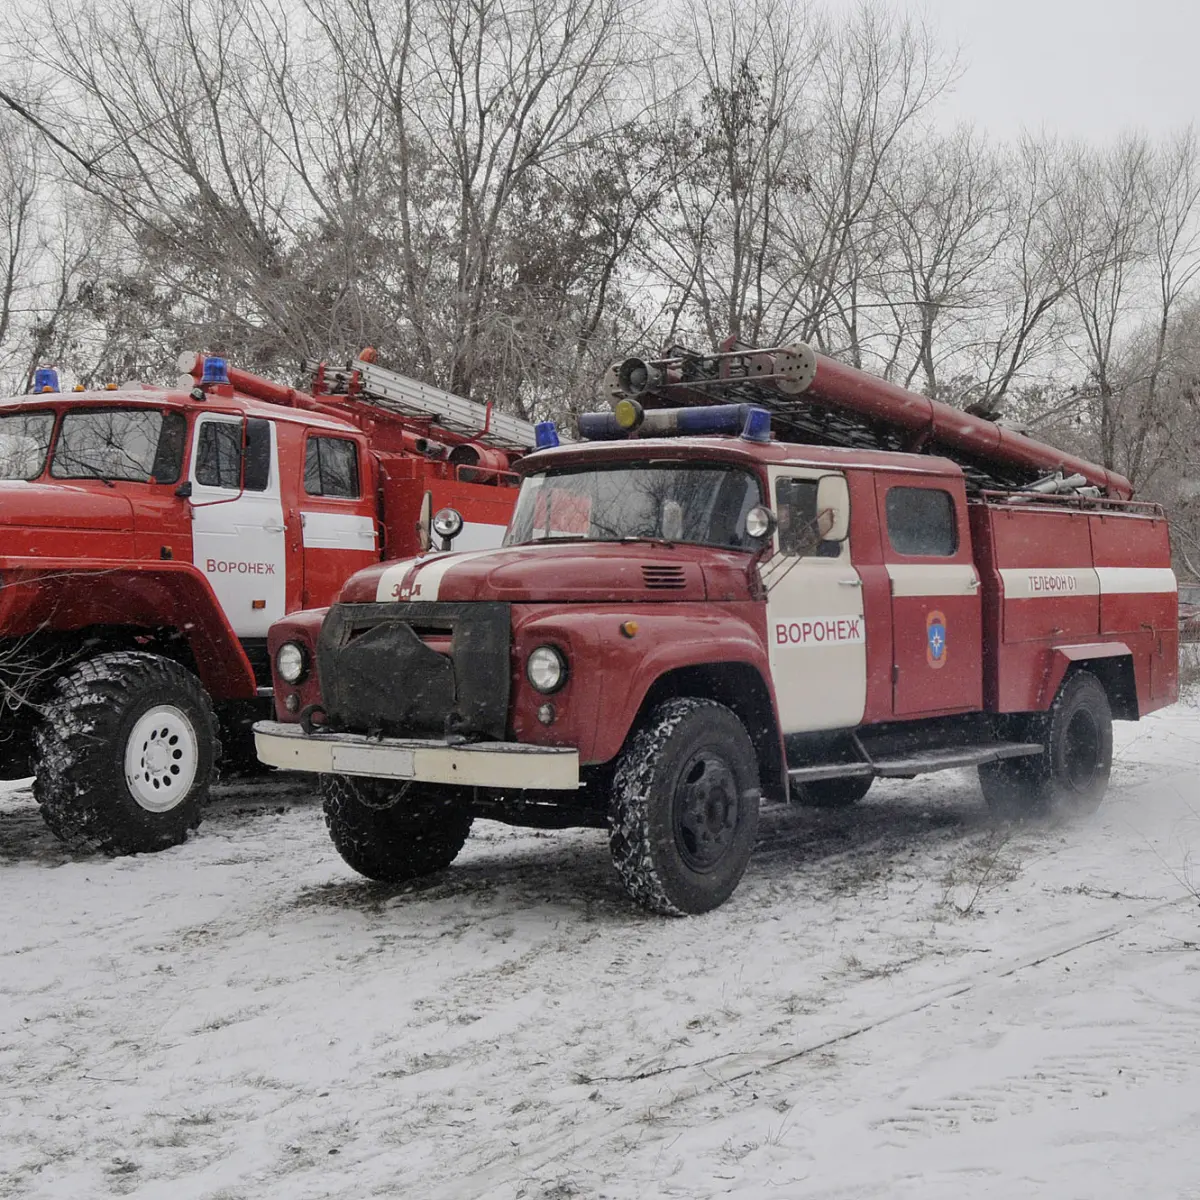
(947, 207)
(1108, 206)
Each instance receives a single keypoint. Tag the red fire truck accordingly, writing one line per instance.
(823, 581)
(149, 537)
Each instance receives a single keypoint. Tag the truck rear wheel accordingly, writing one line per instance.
(1070, 777)
(125, 754)
(391, 831)
(684, 808)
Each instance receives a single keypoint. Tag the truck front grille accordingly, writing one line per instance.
(420, 669)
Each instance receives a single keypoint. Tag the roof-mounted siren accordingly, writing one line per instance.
(45, 379)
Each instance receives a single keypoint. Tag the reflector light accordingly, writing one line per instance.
(215, 371)
(545, 436)
(45, 379)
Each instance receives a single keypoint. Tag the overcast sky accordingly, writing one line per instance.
(1082, 68)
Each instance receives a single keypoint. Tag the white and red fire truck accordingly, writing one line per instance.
(825, 581)
(149, 537)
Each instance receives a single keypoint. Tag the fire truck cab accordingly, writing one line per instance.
(677, 625)
(149, 537)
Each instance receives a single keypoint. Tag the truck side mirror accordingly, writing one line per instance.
(424, 521)
(833, 508)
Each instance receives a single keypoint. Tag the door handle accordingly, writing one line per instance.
(273, 527)
(850, 583)
(975, 584)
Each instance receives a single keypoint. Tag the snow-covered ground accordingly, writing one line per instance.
(901, 1000)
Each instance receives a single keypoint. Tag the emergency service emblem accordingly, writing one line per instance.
(935, 640)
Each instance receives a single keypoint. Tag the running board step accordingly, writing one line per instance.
(918, 763)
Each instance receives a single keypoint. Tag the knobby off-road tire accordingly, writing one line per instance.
(125, 753)
(391, 831)
(835, 793)
(684, 809)
(1069, 778)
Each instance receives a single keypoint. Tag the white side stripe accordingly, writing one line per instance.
(1127, 580)
(1048, 583)
(1052, 583)
(337, 531)
(933, 579)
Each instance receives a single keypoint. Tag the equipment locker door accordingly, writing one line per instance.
(815, 630)
(237, 519)
(936, 607)
(337, 516)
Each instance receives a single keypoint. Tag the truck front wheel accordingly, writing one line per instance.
(391, 831)
(1070, 776)
(684, 808)
(125, 754)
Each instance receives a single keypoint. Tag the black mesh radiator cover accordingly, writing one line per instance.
(378, 676)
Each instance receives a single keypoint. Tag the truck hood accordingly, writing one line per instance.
(62, 506)
(578, 572)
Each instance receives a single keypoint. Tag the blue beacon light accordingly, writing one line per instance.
(545, 436)
(45, 379)
(758, 426)
(215, 371)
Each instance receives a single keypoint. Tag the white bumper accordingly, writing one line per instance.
(507, 765)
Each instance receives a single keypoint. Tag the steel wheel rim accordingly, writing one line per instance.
(706, 811)
(1082, 753)
(162, 756)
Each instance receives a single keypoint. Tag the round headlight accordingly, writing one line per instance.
(447, 523)
(546, 669)
(291, 661)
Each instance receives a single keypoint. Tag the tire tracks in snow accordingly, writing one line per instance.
(696, 1078)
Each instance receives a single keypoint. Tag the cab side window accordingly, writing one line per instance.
(219, 455)
(331, 468)
(796, 510)
(921, 521)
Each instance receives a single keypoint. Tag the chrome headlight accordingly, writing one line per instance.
(546, 669)
(291, 662)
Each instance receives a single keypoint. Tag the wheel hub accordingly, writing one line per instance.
(1082, 757)
(706, 811)
(161, 758)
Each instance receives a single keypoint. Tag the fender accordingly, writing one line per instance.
(61, 597)
(303, 626)
(597, 720)
(1062, 658)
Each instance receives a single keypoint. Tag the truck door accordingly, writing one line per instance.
(936, 608)
(237, 519)
(337, 516)
(816, 636)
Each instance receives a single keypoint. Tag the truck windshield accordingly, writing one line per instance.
(672, 502)
(136, 444)
(24, 440)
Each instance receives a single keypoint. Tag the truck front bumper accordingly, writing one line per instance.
(503, 765)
